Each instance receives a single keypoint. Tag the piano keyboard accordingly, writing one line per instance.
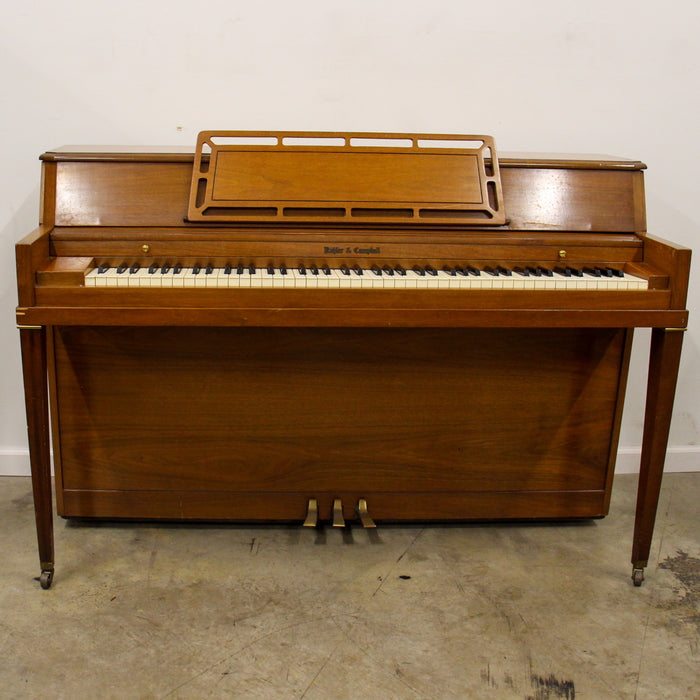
(393, 277)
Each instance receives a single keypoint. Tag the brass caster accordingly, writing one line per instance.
(46, 578)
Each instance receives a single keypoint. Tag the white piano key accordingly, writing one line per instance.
(298, 277)
(256, 280)
(211, 279)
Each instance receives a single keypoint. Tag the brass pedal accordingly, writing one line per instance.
(311, 514)
(338, 519)
(362, 511)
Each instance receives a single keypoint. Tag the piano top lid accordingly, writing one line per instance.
(506, 159)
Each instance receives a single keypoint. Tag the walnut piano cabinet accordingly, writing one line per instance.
(274, 382)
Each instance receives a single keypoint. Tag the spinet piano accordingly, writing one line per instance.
(306, 326)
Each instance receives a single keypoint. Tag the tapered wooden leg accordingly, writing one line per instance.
(664, 360)
(37, 402)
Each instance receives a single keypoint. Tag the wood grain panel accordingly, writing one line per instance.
(381, 178)
(95, 193)
(288, 506)
(106, 193)
(577, 200)
(341, 410)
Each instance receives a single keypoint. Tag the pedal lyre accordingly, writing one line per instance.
(338, 519)
(311, 513)
(362, 511)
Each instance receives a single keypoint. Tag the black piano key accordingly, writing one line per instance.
(376, 270)
(195, 270)
(449, 270)
(122, 269)
(209, 270)
(177, 269)
(431, 270)
(536, 271)
(615, 272)
(460, 271)
(102, 269)
(252, 269)
(521, 271)
(490, 271)
(563, 271)
(227, 270)
(473, 271)
(240, 269)
(575, 272)
(313, 268)
(419, 270)
(358, 270)
(326, 269)
(545, 271)
(504, 271)
(165, 269)
(134, 268)
(388, 270)
(592, 271)
(400, 270)
(270, 269)
(283, 269)
(302, 269)
(344, 270)
(604, 271)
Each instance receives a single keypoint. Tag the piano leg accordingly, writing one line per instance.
(664, 361)
(33, 340)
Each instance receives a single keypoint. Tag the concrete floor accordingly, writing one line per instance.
(527, 611)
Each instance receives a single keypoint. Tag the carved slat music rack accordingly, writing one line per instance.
(299, 176)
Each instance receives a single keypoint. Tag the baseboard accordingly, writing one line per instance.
(15, 462)
(685, 458)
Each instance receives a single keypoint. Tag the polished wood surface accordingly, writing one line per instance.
(130, 192)
(663, 373)
(243, 404)
(337, 411)
(33, 343)
(277, 176)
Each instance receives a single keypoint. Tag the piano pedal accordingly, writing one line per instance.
(338, 519)
(364, 515)
(311, 514)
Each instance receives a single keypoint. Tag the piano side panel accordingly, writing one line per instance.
(248, 423)
(674, 260)
(31, 253)
(47, 216)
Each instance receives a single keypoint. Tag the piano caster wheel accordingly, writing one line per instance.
(637, 576)
(46, 578)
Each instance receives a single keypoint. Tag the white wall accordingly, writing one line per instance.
(616, 77)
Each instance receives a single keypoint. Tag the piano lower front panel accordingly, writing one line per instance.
(249, 423)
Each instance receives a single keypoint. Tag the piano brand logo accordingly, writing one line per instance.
(337, 250)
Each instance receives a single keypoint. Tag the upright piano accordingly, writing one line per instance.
(303, 326)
